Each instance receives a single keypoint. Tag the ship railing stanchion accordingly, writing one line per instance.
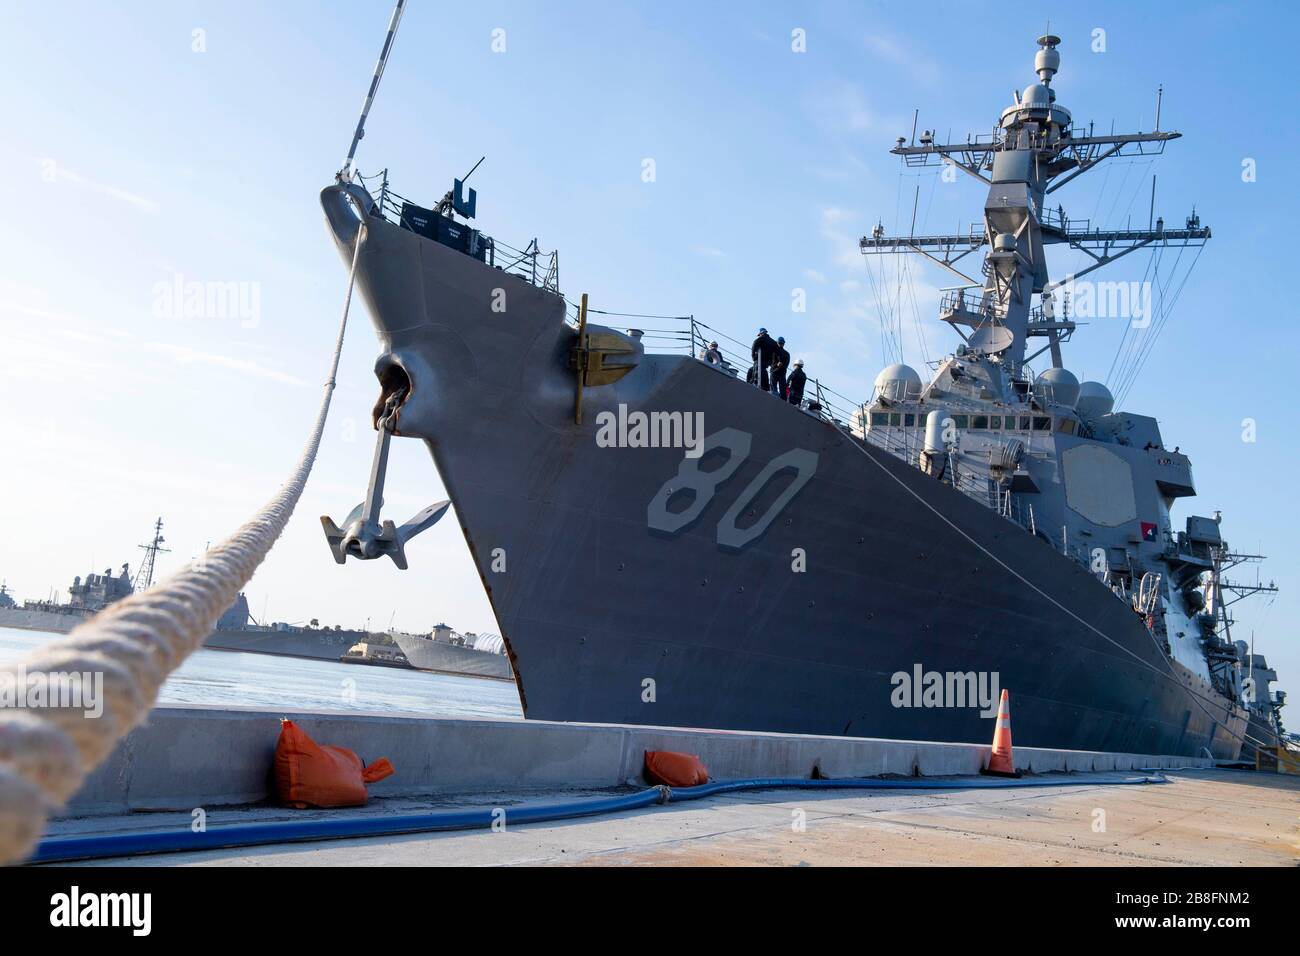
(581, 355)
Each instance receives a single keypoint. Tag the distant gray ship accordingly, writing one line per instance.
(1265, 730)
(446, 652)
(85, 598)
(235, 629)
(795, 572)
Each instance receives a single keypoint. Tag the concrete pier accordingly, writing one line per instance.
(195, 756)
(1197, 818)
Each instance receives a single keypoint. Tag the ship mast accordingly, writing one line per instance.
(1034, 151)
(1224, 593)
(144, 577)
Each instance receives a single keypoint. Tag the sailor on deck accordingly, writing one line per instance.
(797, 382)
(780, 365)
(763, 350)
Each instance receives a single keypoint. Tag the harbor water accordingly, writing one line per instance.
(237, 679)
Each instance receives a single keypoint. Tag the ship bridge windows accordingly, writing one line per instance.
(895, 419)
(1024, 423)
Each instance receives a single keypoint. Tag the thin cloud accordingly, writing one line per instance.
(185, 355)
(63, 174)
(895, 51)
(24, 309)
(845, 109)
(835, 222)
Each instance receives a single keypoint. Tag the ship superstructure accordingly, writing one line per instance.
(1047, 451)
(800, 566)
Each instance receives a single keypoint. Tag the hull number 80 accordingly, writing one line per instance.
(703, 485)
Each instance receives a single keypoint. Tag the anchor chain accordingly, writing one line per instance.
(363, 535)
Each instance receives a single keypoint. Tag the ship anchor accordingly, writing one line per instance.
(363, 535)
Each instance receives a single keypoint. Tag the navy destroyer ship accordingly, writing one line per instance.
(236, 629)
(795, 566)
(87, 597)
(445, 651)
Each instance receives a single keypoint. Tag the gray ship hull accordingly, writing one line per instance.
(320, 645)
(608, 618)
(1260, 732)
(428, 655)
(35, 620)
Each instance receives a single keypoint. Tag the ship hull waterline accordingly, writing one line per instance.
(609, 619)
(425, 654)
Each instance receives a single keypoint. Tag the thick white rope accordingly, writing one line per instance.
(46, 752)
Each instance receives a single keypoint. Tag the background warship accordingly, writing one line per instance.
(443, 650)
(446, 651)
(988, 522)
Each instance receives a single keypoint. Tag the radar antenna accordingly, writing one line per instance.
(144, 577)
(1034, 151)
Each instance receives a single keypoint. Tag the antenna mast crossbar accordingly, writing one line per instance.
(1035, 149)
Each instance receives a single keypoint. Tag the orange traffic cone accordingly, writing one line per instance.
(1000, 762)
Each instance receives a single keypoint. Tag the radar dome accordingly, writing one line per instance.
(1058, 386)
(1036, 97)
(1094, 401)
(898, 381)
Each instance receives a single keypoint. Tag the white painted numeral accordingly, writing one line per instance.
(730, 536)
(704, 484)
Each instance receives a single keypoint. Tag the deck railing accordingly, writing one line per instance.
(686, 333)
(540, 268)
(689, 334)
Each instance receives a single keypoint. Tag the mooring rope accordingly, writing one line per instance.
(47, 751)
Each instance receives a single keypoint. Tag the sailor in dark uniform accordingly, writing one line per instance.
(763, 351)
(780, 365)
(797, 381)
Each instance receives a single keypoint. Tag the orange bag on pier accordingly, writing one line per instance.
(674, 770)
(308, 774)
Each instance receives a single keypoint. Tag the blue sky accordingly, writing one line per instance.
(133, 159)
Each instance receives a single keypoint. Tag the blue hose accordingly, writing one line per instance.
(892, 783)
(63, 849)
(59, 849)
